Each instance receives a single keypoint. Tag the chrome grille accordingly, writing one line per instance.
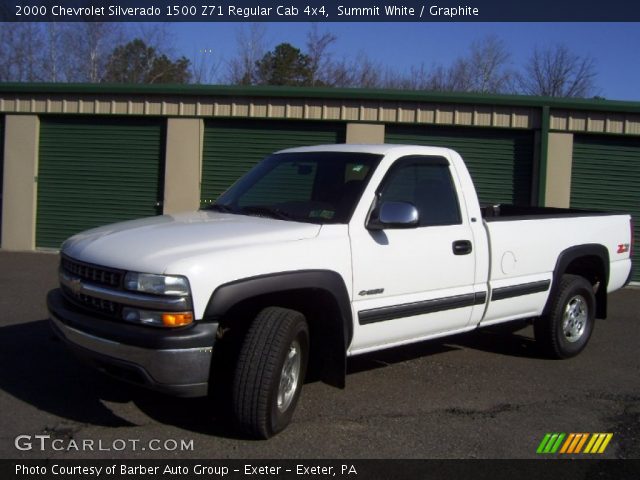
(108, 277)
(106, 307)
(93, 273)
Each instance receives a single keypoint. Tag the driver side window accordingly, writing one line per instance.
(426, 184)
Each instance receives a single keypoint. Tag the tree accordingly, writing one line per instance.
(205, 67)
(557, 72)
(22, 56)
(57, 52)
(136, 62)
(54, 54)
(251, 48)
(320, 60)
(485, 69)
(361, 71)
(285, 65)
(487, 64)
(86, 47)
(164, 70)
(417, 78)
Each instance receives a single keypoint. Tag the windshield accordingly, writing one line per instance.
(315, 187)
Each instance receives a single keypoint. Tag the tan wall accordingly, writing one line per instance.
(559, 160)
(346, 109)
(365, 133)
(597, 122)
(183, 164)
(22, 133)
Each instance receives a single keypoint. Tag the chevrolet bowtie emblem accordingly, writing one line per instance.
(76, 286)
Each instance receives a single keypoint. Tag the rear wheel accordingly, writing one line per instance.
(270, 371)
(566, 330)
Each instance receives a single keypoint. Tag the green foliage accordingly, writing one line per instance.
(285, 65)
(136, 62)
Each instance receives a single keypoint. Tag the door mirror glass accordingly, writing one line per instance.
(394, 215)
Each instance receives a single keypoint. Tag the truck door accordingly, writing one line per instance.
(410, 283)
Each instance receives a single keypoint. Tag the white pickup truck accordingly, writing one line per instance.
(321, 253)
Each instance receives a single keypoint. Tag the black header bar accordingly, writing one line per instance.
(309, 469)
(319, 11)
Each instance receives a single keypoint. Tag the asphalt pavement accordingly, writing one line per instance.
(488, 394)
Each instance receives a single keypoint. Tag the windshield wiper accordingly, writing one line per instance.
(263, 210)
(219, 207)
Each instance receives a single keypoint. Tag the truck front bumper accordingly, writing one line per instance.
(175, 361)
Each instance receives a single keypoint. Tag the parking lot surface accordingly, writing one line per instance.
(488, 394)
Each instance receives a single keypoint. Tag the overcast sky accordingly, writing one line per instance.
(614, 46)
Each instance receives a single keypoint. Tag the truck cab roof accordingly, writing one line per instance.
(380, 149)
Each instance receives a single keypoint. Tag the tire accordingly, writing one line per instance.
(270, 370)
(566, 330)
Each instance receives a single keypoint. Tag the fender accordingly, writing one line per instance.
(339, 327)
(573, 253)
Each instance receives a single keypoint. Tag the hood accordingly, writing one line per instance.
(151, 244)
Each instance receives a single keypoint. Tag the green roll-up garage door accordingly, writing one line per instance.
(232, 147)
(500, 161)
(606, 176)
(95, 171)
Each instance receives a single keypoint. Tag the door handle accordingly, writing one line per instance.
(462, 247)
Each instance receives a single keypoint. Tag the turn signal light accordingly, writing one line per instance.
(176, 319)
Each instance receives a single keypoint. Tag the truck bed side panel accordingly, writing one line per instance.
(524, 254)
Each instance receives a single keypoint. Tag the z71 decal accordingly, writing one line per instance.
(623, 248)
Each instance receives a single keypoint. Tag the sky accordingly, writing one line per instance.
(614, 46)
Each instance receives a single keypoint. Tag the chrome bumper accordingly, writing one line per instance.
(182, 371)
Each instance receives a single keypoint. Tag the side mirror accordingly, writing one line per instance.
(393, 215)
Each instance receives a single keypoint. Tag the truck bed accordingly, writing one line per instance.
(526, 243)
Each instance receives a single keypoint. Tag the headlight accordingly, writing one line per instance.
(156, 284)
(157, 319)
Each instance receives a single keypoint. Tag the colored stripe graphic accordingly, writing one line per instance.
(566, 445)
(598, 442)
(553, 443)
(582, 442)
(574, 443)
(550, 443)
(543, 443)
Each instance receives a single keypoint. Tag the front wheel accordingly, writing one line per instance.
(270, 371)
(566, 330)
